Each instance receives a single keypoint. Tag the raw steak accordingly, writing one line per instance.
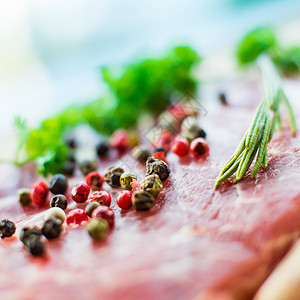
(195, 243)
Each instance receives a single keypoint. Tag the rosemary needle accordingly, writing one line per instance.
(267, 116)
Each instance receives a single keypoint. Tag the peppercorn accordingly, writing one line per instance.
(24, 197)
(55, 212)
(135, 185)
(102, 197)
(91, 207)
(191, 130)
(7, 228)
(80, 192)
(102, 148)
(142, 200)
(181, 147)
(126, 179)
(58, 184)
(52, 228)
(68, 168)
(157, 166)
(141, 154)
(87, 167)
(98, 229)
(199, 148)
(34, 245)
(112, 177)
(76, 216)
(120, 141)
(94, 180)
(26, 232)
(124, 199)
(152, 184)
(223, 98)
(106, 213)
(59, 201)
(160, 155)
(39, 192)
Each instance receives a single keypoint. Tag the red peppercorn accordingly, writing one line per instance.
(136, 186)
(160, 155)
(102, 197)
(199, 147)
(181, 146)
(105, 213)
(39, 192)
(124, 199)
(80, 192)
(76, 216)
(120, 141)
(164, 140)
(94, 180)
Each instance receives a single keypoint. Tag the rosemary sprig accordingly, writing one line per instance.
(267, 116)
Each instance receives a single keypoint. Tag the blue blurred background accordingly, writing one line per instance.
(51, 51)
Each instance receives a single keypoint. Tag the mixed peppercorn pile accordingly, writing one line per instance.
(98, 217)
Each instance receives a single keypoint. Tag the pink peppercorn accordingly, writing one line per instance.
(39, 192)
(94, 180)
(160, 155)
(181, 147)
(199, 148)
(120, 141)
(124, 199)
(106, 213)
(76, 216)
(80, 192)
(136, 186)
(102, 197)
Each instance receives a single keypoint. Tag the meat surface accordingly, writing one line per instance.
(195, 243)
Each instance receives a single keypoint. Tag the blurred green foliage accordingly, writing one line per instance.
(263, 40)
(146, 86)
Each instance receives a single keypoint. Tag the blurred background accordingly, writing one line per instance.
(51, 51)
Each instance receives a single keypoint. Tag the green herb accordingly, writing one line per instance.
(146, 86)
(254, 143)
(263, 40)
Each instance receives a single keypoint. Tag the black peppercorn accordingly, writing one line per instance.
(26, 232)
(223, 98)
(112, 176)
(7, 228)
(59, 201)
(24, 197)
(142, 200)
(102, 148)
(159, 167)
(58, 184)
(52, 228)
(91, 207)
(159, 149)
(87, 167)
(34, 245)
(141, 154)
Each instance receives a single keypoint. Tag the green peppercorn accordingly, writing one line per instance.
(24, 197)
(52, 228)
(126, 179)
(152, 184)
(159, 167)
(91, 207)
(141, 154)
(7, 228)
(142, 200)
(97, 228)
(87, 167)
(112, 177)
(59, 201)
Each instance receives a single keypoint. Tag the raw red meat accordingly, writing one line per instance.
(195, 243)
